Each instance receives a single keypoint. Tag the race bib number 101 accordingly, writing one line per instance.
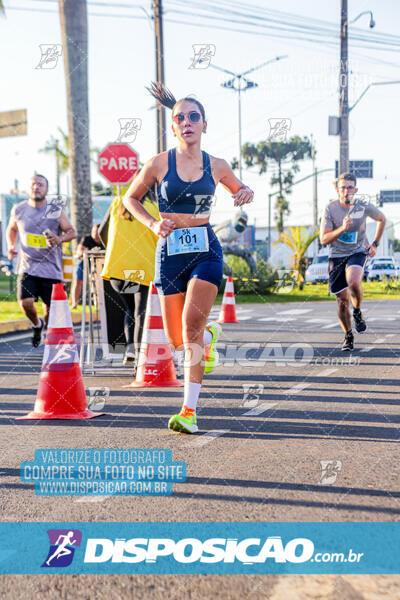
(188, 239)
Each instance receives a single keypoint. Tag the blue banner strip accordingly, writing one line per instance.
(206, 548)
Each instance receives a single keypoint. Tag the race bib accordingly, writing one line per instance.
(188, 239)
(36, 240)
(348, 237)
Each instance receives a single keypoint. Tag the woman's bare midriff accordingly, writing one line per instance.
(185, 220)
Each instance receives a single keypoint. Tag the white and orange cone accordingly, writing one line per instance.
(228, 308)
(155, 363)
(61, 393)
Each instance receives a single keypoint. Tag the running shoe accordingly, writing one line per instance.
(185, 422)
(37, 334)
(348, 343)
(211, 353)
(129, 359)
(360, 324)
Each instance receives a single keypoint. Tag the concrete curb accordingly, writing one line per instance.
(24, 325)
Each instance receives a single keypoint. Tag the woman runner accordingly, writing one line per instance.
(189, 258)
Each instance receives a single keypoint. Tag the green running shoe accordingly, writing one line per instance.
(185, 422)
(211, 353)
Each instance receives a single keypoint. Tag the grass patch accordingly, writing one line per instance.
(373, 290)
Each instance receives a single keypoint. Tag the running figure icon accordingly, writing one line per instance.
(62, 549)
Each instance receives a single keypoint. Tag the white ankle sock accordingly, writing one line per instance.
(40, 323)
(207, 337)
(179, 357)
(191, 394)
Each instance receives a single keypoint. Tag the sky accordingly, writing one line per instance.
(302, 88)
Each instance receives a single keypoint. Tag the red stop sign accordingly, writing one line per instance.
(118, 163)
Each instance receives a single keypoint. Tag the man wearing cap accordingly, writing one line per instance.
(42, 227)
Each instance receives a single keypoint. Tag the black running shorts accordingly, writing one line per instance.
(337, 270)
(30, 286)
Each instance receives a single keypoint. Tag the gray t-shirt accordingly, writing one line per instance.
(34, 256)
(354, 240)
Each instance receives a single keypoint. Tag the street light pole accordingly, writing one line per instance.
(344, 91)
(344, 84)
(240, 130)
(239, 78)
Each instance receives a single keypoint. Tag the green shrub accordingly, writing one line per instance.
(261, 282)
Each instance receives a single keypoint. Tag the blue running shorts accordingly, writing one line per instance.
(172, 273)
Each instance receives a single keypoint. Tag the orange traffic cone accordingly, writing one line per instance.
(61, 394)
(228, 308)
(155, 365)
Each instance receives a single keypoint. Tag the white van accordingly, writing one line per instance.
(317, 272)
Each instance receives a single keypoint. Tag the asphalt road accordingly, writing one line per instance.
(257, 457)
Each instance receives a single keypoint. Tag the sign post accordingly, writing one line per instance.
(118, 163)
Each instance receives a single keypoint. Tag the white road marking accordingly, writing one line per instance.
(267, 319)
(325, 373)
(316, 321)
(379, 341)
(92, 499)
(258, 410)
(244, 317)
(330, 326)
(12, 338)
(208, 437)
(367, 349)
(298, 388)
(277, 318)
(295, 311)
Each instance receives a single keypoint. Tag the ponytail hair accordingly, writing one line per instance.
(165, 97)
(162, 94)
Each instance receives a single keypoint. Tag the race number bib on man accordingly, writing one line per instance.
(348, 237)
(188, 239)
(36, 240)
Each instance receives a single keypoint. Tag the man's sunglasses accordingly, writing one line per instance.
(194, 117)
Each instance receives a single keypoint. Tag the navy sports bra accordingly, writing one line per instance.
(190, 197)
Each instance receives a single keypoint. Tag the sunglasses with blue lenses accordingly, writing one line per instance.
(194, 117)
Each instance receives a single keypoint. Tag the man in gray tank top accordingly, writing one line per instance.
(343, 228)
(42, 227)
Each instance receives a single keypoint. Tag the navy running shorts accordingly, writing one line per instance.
(337, 270)
(172, 273)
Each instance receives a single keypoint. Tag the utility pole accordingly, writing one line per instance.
(344, 91)
(315, 183)
(159, 40)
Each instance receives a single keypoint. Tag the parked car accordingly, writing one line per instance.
(317, 272)
(381, 267)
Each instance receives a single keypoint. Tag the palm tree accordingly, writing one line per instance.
(298, 239)
(74, 30)
(61, 152)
